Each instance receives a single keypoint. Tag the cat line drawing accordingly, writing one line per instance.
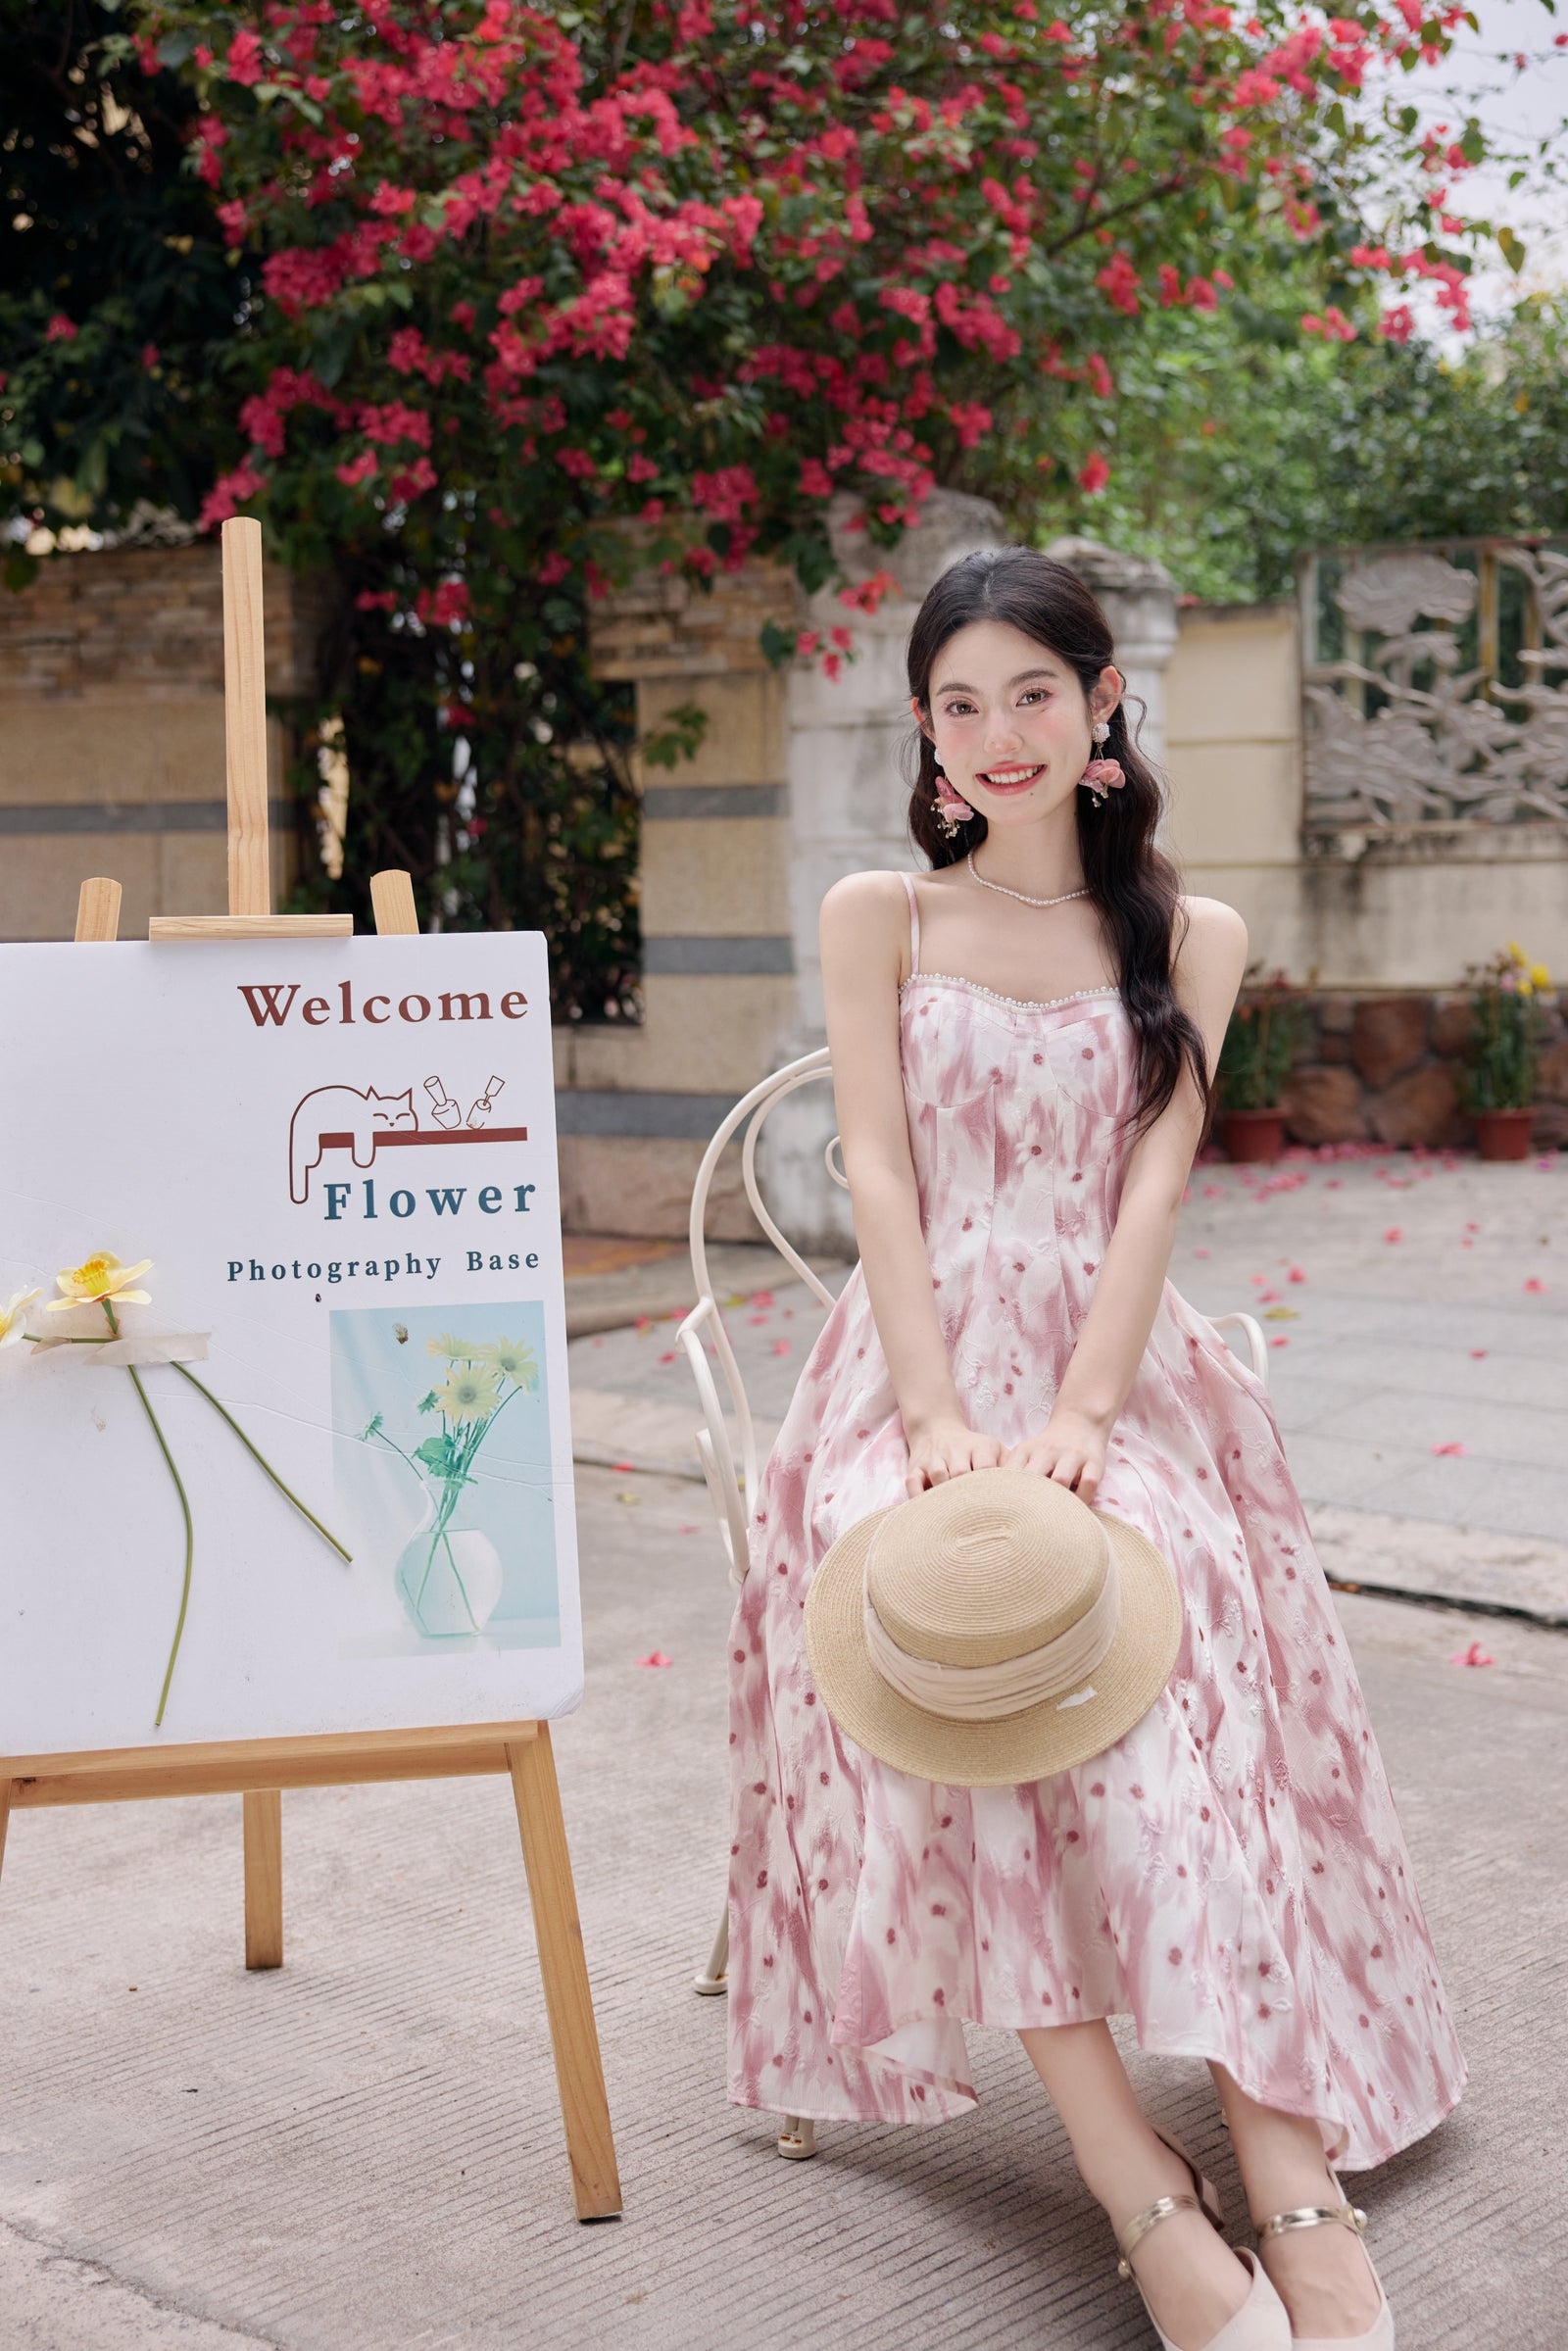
(334, 1115)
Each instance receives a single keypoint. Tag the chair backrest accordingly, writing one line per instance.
(732, 1485)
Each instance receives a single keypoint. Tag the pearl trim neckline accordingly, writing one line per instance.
(1017, 1004)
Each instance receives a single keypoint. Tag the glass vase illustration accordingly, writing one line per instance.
(449, 1572)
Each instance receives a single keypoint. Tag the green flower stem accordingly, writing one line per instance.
(190, 1542)
(261, 1459)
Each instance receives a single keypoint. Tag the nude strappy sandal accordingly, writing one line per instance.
(1379, 2336)
(1261, 2322)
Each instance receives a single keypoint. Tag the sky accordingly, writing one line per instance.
(1510, 74)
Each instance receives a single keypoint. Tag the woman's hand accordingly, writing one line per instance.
(944, 1449)
(1071, 1448)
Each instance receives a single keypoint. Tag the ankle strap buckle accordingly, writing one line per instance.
(1313, 2216)
(1140, 2225)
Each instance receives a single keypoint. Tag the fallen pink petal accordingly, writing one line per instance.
(1395, 1232)
(655, 1657)
(1452, 1446)
(781, 1347)
(1296, 1274)
(1475, 1654)
(1535, 1287)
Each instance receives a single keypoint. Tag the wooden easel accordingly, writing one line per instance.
(259, 1770)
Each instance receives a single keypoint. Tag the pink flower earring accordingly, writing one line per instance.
(1102, 775)
(952, 809)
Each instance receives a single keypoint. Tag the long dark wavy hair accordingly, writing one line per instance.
(1133, 885)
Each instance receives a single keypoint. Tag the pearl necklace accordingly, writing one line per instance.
(1025, 900)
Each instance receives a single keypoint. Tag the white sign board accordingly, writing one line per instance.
(340, 1158)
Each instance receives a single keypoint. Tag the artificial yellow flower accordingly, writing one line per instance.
(1516, 954)
(453, 1350)
(514, 1358)
(1539, 975)
(468, 1394)
(13, 1317)
(98, 1280)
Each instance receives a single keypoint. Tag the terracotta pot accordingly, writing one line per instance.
(1504, 1134)
(1252, 1136)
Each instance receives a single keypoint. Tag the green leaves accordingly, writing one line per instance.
(681, 737)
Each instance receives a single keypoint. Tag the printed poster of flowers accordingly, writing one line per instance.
(441, 1459)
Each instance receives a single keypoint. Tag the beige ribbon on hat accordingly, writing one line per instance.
(989, 1693)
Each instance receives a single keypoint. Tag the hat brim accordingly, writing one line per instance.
(1031, 1745)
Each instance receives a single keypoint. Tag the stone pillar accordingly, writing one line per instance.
(635, 1105)
(1139, 599)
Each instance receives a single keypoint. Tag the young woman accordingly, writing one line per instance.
(1023, 1041)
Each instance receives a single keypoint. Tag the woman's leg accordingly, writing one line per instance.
(1192, 2281)
(1321, 2275)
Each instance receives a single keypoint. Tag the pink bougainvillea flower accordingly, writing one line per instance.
(1395, 1232)
(1296, 1274)
(655, 1657)
(1475, 1654)
(1534, 1286)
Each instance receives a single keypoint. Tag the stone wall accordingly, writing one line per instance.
(112, 756)
(1398, 906)
(1387, 1070)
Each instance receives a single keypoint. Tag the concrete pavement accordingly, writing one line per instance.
(363, 2153)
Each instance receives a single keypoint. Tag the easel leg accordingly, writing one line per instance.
(264, 1879)
(569, 2004)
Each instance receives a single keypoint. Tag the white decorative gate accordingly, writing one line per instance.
(1434, 682)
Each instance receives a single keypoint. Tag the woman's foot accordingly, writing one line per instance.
(1189, 2276)
(1323, 2275)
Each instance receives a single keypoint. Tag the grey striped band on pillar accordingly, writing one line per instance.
(131, 816)
(678, 1118)
(663, 803)
(769, 955)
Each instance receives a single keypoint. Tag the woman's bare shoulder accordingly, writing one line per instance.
(877, 898)
(1210, 934)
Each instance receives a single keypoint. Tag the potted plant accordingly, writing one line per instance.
(1265, 1034)
(1507, 1021)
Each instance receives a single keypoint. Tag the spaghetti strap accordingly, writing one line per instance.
(914, 926)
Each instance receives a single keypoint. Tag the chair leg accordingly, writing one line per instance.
(798, 2139)
(713, 1979)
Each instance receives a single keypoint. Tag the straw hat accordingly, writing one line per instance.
(992, 1632)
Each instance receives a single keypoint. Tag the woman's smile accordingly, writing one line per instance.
(1010, 778)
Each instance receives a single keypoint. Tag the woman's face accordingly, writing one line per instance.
(1010, 721)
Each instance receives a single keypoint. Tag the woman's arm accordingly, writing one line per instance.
(865, 924)
(1071, 1446)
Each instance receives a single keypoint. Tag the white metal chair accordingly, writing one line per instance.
(731, 1484)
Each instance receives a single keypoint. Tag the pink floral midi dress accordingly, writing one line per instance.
(1232, 1874)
